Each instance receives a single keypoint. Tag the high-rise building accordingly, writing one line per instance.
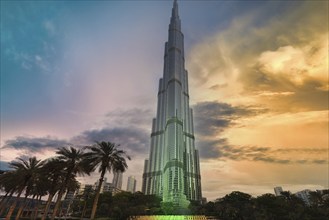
(102, 186)
(305, 196)
(278, 190)
(172, 170)
(85, 188)
(117, 180)
(131, 184)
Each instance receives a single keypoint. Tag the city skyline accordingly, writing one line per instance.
(80, 72)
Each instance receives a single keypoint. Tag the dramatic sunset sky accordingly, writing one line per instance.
(76, 72)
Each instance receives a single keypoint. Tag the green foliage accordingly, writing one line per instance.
(241, 206)
(125, 204)
(168, 208)
(234, 206)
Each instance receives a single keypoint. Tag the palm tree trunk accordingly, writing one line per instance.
(61, 207)
(3, 198)
(57, 205)
(101, 179)
(21, 207)
(46, 210)
(29, 206)
(12, 207)
(36, 211)
(67, 210)
(84, 210)
(4, 204)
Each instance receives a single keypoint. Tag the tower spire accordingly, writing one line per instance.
(175, 21)
(174, 13)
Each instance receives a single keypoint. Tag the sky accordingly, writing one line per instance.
(76, 72)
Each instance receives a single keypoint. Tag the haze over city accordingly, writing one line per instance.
(73, 73)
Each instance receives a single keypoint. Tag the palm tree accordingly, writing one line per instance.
(74, 161)
(7, 181)
(72, 186)
(53, 171)
(39, 190)
(107, 157)
(87, 194)
(25, 171)
(28, 192)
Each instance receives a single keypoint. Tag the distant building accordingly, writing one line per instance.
(69, 196)
(204, 201)
(67, 202)
(305, 196)
(110, 187)
(107, 187)
(278, 190)
(85, 187)
(117, 180)
(102, 187)
(131, 184)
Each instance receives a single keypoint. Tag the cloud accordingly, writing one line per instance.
(210, 149)
(220, 149)
(35, 144)
(128, 127)
(132, 139)
(212, 118)
(285, 56)
(320, 161)
(135, 117)
(218, 86)
(299, 74)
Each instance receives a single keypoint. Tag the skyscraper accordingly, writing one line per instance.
(172, 170)
(117, 180)
(278, 190)
(131, 184)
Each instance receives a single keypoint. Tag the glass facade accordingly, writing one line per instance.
(172, 170)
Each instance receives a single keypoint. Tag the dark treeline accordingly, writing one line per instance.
(235, 206)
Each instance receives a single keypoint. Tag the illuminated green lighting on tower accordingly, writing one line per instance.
(172, 170)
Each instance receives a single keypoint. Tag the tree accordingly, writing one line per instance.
(316, 198)
(31, 189)
(236, 205)
(106, 157)
(72, 186)
(25, 172)
(74, 163)
(53, 173)
(7, 181)
(87, 194)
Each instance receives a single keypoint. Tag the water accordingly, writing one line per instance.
(169, 217)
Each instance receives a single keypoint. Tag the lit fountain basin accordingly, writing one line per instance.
(169, 217)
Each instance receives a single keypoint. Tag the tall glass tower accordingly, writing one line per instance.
(172, 170)
(117, 180)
